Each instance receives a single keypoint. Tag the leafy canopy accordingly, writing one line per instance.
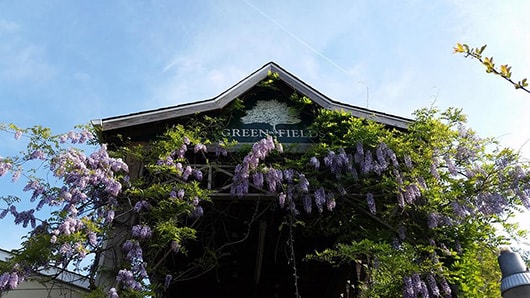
(418, 210)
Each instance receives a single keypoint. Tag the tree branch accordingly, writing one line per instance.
(504, 71)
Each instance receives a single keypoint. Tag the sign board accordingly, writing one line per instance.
(277, 118)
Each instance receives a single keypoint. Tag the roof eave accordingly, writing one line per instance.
(217, 102)
(235, 91)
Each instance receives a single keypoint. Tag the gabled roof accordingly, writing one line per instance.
(220, 101)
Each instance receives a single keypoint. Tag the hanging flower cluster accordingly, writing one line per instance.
(425, 190)
(85, 200)
(292, 185)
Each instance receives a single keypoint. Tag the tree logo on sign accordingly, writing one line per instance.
(271, 112)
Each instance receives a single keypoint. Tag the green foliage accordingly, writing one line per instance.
(421, 203)
(476, 272)
(433, 142)
(168, 231)
(269, 82)
(295, 97)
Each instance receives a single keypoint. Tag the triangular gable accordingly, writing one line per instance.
(160, 118)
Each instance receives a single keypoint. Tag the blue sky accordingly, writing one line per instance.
(64, 63)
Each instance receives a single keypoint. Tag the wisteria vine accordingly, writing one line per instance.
(414, 189)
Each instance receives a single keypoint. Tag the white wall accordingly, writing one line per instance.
(44, 289)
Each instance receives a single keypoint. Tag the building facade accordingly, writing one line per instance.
(248, 232)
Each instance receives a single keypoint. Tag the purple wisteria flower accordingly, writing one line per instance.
(126, 277)
(274, 178)
(393, 158)
(432, 220)
(408, 288)
(320, 199)
(14, 280)
(450, 165)
(16, 174)
(259, 152)
(24, 217)
(220, 149)
(197, 212)
(434, 171)
(337, 163)
(113, 293)
(18, 134)
(92, 238)
(257, 179)
(37, 154)
(10, 280)
(303, 183)
(412, 192)
(460, 210)
(133, 249)
(281, 199)
(314, 162)
(371, 202)
(167, 280)
(262, 148)
(175, 246)
(197, 174)
(187, 172)
(367, 165)
(380, 154)
(408, 161)
(180, 193)
(141, 232)
(330, 202)
(4, 213)
(306, 202)
(200, 148)
(76, 137)
(488, 203)
(182, 151)
(70, 225)
(141, 205)
(5, 166)
(358, 157)
(329, 159)
(179, 167)
(446, 290)
(431, 281)
(66, 250)
(167, 161)
(288, 175)
(420, 288)
(109, 217)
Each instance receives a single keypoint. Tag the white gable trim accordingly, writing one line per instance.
(237, 90)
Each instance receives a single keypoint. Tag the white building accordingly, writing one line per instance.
(52, 283)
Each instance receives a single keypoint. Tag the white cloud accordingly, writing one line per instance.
(21, 62)
(8, 26)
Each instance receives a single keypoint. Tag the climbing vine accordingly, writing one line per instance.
(399, 212)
